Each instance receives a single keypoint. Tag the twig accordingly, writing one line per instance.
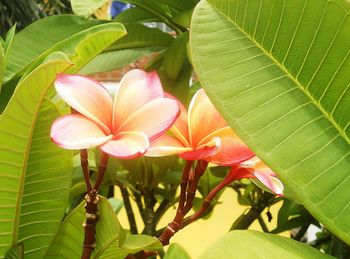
(263, 224)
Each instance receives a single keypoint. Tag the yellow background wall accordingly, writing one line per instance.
(196, 237)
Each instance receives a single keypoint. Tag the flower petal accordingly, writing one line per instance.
(88, 97)
(203, 118)
(209, 149)
(166, 145)
(271, 182)
(127, 145)
(137, 88)
(153, 119)
(264, 175)
(180, 127)
(233, 151)
(77, 132)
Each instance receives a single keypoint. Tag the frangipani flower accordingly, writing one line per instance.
(259, 173)
(121, 128)
(202, 133)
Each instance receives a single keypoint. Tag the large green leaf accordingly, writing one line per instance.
(140, 41)
(42, 35)
(253, 244)
(27, 188)
(278, 72)
(111, 239)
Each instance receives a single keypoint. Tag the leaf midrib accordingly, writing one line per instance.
(289, 75)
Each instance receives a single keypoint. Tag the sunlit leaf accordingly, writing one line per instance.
(277, 71)
(252, 244)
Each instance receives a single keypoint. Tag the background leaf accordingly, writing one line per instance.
(111, 240)
(276, 71)
(86, 7)
(140, 41)
(254, 244)
(175, 251)
(49, 32)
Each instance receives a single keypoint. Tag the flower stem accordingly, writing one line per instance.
(85, 166)
(91, 199)
(187, 193)
(101, 170)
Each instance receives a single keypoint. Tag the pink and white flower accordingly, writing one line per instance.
(122, 127)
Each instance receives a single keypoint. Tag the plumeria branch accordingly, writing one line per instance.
(187, 194)
(85, 167)
(91, 199)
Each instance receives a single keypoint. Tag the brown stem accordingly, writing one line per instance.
(191, 193)
(183, 186)
(85, 166)
(91, 199)
(186, 201)
(101, 170)
(208, 200)
(91, 213)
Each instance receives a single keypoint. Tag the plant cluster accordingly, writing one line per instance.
(239, 94)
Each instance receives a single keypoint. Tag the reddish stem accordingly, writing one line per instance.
(183, 185)
(91, 199)
(85, 166)
(234, 174)
(186, 201)
(101, 170)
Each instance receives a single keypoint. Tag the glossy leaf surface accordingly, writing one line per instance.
(277, 71)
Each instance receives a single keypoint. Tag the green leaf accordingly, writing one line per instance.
(176, 56)
(87, 7)
(115, 59)
(9, 38)
(15, 252)
(133, 15)
(49, 32)
(276, 70)
(2, 64)
(254, 244)
(180, 5)
(140, 36)
(111, 240)
(291, 215)
(175, 251)
(140, 41)
(116, 204)
(80, 47)
(32, 191)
